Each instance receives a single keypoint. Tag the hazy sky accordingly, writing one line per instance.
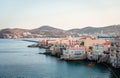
(64, 14)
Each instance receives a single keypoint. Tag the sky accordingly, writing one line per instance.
(64, 14)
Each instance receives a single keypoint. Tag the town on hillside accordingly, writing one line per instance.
(103, 49)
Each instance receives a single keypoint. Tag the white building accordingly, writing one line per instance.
(74, 53)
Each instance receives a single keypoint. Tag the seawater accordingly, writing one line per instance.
(19, 61)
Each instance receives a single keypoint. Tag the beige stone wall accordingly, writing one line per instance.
(90, 42)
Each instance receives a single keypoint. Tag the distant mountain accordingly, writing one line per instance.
(92, 30)
(50, 31)
(46, 31)
(45, 28)
(12, 32)
(49, 28)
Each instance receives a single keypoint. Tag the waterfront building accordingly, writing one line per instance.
(86, 48)
(97, 53)
(115, 53)
(75, 52)
(89, 42)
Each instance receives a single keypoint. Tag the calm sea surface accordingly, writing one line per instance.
(19, 61)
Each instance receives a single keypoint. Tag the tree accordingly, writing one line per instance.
(82, 43)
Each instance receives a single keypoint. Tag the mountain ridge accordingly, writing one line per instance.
(107, 29)
(50, 31)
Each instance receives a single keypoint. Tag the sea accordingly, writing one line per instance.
(19, 61)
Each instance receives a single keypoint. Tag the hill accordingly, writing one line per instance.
(50, 31)
(12, 32)
(92, 30)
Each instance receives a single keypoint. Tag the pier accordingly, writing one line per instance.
(31, 41)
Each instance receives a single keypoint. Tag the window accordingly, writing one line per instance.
(77, 52)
